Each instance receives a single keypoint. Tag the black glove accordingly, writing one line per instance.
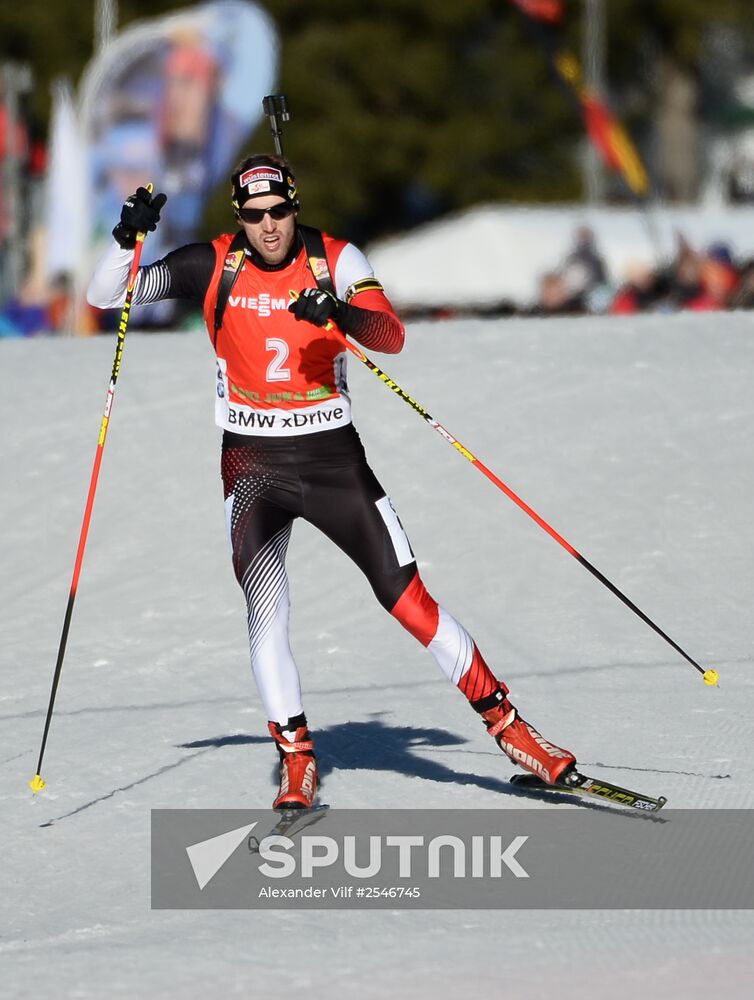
(140, 214)
(316, 306)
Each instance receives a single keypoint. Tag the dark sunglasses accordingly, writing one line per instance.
(277, 212)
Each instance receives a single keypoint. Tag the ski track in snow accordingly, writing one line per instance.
(630, 436)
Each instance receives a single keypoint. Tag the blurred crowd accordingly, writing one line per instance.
(699, 280)
(38, 309)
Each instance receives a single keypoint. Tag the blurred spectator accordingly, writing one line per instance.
(743, 297)
(718, 279)
(580, 285)
(22, 316)
(59, 307)
(685, 276)
(584, 268)
(638, 293)
(38, 311)
(555, 297)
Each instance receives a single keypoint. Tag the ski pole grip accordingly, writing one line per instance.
(329, 325)
(140, 237)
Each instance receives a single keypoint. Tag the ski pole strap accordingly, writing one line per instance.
(228, 280)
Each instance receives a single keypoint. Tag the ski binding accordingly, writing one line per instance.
(581, 784)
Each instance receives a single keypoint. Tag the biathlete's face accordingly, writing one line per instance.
(270, 226)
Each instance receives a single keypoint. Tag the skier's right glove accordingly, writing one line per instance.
(140, 214)
(316, 306)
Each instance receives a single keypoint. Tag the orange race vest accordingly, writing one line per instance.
(276, 375)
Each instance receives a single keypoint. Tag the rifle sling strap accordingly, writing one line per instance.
(228, 280)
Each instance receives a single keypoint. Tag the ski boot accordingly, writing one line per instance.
(521, 742)
(298, 767)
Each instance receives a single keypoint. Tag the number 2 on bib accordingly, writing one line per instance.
(275, 370)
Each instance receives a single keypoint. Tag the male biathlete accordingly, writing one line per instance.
(289, 448)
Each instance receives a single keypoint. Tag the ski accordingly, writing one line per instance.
(581, 784)
(291, 822)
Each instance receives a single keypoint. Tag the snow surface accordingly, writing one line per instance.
(632, 437)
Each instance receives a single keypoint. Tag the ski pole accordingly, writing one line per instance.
(709, 676)
(37, 783)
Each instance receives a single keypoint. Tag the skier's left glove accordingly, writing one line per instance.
(316, 306)
(140, 214)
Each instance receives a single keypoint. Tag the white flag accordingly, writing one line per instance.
(65, 196)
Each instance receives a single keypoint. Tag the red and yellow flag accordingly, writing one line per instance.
(605, 131)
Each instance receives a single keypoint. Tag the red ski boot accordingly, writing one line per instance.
(298, 767)
(522, 743)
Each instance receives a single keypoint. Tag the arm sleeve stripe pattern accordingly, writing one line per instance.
(365, 285)
(152, 283)
(375, 330)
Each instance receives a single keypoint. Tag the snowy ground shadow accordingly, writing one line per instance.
(368, 746)
(376, 746)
